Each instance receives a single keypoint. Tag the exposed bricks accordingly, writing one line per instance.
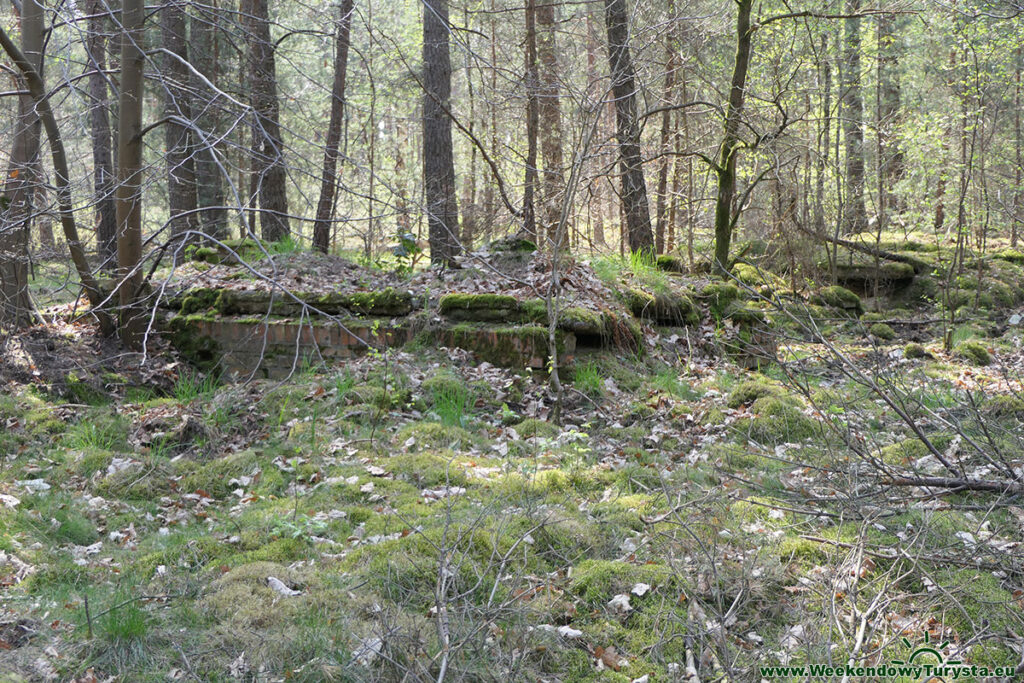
(273, 349)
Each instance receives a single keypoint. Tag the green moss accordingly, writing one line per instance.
(514, 245)
(974, 352)
(745, 314)
(148, 481)
(755, 277)
(749, 391)
(374, 396)
(205, 255)
(480, 307)
(778, 421)
(186, 551)
(73, 527)
(839, 298)
(531, 427)
(426, 470)
(666, 308)
(915, 350)
(719, 296)
(199, 300)
(793, 548)
(882, 331)
(670, 263)
(581, 321)
(283, 550)
(187, 338)
(507, 345)
(980, 599)
(433, 436)
(441, 383)
(1011, 256)
(903, 452)
(385, 302)
(215, 476)
(598, 581)
(80, 390)
(1004, 405)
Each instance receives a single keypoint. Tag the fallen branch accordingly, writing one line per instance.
(917, 264)
(956, 483)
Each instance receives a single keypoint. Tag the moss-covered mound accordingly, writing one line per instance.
(664, 308)
(718, 296)
(975, 352)
(839, 298)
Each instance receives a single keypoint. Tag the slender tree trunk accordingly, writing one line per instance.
(690, 194)
(824, 137)
(940, 186)
(634, 188)
(438, 156)
(131, 326)
(61, 179)
(532, 123)
(593, 46)
(268, 163)
(209, 176)
(181, 174)
(329, 181)
(663, 147)
(891, 161)
(672, 220)
(490, 202)
(725, 165)
(550, 121)
(469, 207)
(1018, 195)
(99, 122)
(16, 309)
(855, 215)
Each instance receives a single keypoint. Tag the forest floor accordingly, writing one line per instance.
(414, 515)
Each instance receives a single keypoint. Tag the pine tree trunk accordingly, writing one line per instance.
(16, 310)
(532, 84)
(891, 161)
(438, 156)
(550, 113)
(268, 163)
(131, 325)
(99, 122)
(329, 180)
(825, 80)
(634, 188)
(181, 174)
(209, 177)
(854, 214)
(1018, 195)
(593, 45)
(664, 147)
